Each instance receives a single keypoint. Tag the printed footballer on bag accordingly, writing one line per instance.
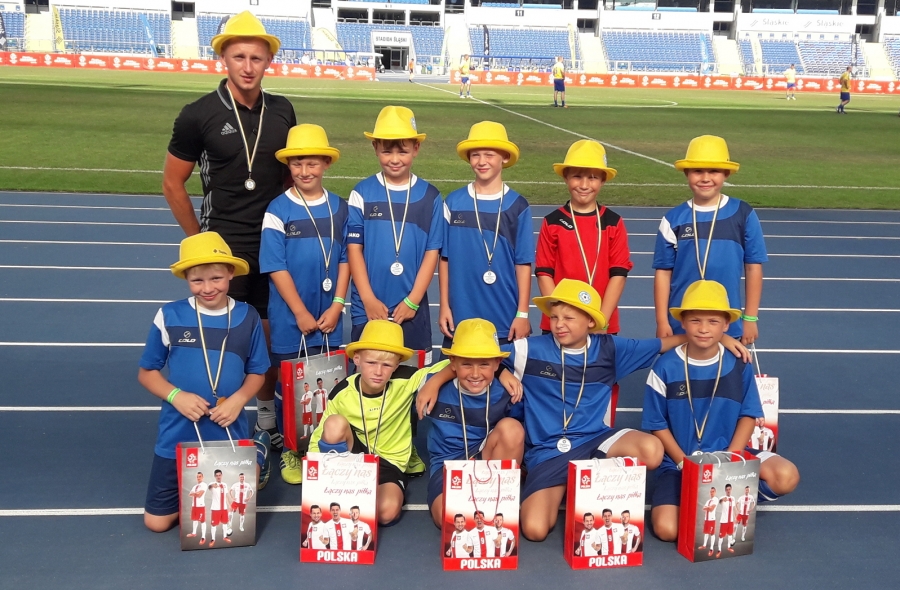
(338, 521)
(481, 515)
(765, 433)
(218, 495)
(724, 508)
(306, 383)
(605, 514)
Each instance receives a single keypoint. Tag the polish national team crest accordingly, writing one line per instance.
(299, 371)
(456, 480)
(586, 479)
(191, 459)
(312, 470)
(707, 474)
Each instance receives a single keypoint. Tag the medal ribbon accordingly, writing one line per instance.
(698, 427)
(325, 255)
(362, 411)
(489, 253)
(213, 383)
(712, 228)
(387, 192)
(568, 419)
(462, 414)
(250, 157)
(590, 273)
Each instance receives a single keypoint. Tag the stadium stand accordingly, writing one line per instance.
(358, 37)
(660, 52)
(892, 48)
(745, 48)
(15, 29)
(294, 33)
(397, 1)
(517, 47)
(122, 31)
(779, 55)
(500, 4)
(825, 57)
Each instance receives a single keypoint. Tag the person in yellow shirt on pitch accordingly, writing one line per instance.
(559, 82)
(845, 90)
(464, 82)
(790, 76)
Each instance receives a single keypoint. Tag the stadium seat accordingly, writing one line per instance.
(15, 29)
(114, 31)
(661, 51)
(825, 57)
(778, 55)
(892, 48)
(523, 47)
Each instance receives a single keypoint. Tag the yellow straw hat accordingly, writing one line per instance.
(585, 153)
(578, 294)
(382, 335)
(206, 248)
(705, 296)
(395, 123)
(707, 151)
(307, 140)
(244, 25)
(475, 339)
(488, 135)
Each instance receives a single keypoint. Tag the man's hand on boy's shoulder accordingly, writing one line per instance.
(190, 405)
(736, 347)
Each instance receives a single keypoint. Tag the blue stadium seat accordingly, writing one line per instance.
(295, 34)
(113, 31)
(892, 48)
(779, 55)
(745, 49)
(661, 51)
(825, 57)
(15, 29)
(516, 48)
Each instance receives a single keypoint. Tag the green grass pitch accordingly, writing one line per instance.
(792, 153)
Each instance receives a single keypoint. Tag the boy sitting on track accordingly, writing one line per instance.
(568, 376)
(216, 353)
(487, 216)
(700, 399)
(303, 250)
(483, 421)
(711, 237)
(369, 412)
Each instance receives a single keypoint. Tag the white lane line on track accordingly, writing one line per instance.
(842, 508)
(123, 223)
(39, 206)
(797, 411)
(43, 267)
(71, 242)
(253, 409)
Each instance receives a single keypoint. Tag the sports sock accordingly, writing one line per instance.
(265, 414)
(212, 533)
(242, 522)
(730, 540)
(194, 531)
(705, 539)
(202, 530)
(720, 544)
(340, 447)
(563, 103)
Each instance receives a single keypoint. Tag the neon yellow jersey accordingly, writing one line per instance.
(464, 68)
(394, 437)
(790, 75)
(845, 82)
(559, 71)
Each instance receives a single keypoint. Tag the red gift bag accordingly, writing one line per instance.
(303, 397)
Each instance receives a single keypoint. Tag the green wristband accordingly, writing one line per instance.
(339, 300)
(749, 318)
(522, 315)
(172, 394)
(410, 304)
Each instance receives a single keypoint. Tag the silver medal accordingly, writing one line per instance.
(489, 277)
(563, 445)
(326, 285)
(397, 269)
(249, 184)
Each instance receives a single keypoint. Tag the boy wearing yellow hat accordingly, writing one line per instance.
(568, 377)
(713, 237)
(304, 252)
(485, 269)
(700, 399)
(474, 416)
(216, 355)
(369, 412)
(584, 240)
(395, 234)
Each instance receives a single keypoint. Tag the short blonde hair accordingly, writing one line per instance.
(380, 355)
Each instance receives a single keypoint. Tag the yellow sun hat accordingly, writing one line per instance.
(705, 296)
(307, 140)
(578, 294)
(244, 25)
(488, 135)
(475, 338)
(206, 248)
(382, 335)
(707, 151)
(395, 123)
(585, 153)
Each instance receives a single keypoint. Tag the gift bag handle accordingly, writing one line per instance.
(730, 453)
(755, 355)
(490, 472)
(200, 438)
(713, 455)
(620, 462)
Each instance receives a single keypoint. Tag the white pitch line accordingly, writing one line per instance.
(73, 242)
(295, 509)
(42, 222)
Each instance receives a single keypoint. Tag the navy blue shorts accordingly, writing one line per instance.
(791, 85)
(464, 79)
(555, 471)
(845, 96)
(559, 85)
(162, 490)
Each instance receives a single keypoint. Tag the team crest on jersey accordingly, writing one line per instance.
(586, 479)
(186, 337)
(312, 470)
(191, 459)
(448, 414)
(456, 480)
(584, 297)
(707, 476)
(549, 372)
(687, 232)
